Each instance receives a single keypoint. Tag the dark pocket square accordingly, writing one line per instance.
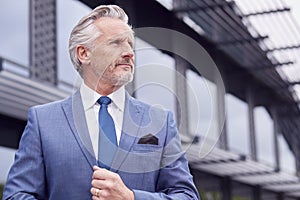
(148, 139)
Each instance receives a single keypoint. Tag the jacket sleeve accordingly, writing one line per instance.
(26, 179)
(175, 180)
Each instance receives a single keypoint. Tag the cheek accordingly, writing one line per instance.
(111, 51)
(104, 57)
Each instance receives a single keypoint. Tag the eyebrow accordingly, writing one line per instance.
(122, 37)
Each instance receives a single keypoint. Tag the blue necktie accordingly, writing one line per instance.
(107, 135)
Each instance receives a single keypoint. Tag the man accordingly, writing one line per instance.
(67, 151)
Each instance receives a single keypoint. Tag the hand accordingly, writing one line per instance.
(107, 185)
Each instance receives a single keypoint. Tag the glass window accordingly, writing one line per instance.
(201, 93)
(264, 136)
(287, 158)
(237, 125)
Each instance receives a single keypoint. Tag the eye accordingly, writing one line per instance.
(116, 42)
(131, 44)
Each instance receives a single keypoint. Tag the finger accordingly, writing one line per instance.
(95, 192)
(95, 198)
(95, 167)
(97, 172)
(101, 184)
(102, 174)
(92, 191)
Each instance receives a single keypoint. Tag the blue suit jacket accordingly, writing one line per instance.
(55, 155)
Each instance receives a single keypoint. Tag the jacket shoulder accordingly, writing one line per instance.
(54, 105)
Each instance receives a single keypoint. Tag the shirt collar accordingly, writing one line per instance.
(90, 97)
(118, 98)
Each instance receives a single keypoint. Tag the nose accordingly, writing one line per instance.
(127, 52)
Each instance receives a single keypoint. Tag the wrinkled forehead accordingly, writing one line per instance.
(126, 35)
(113, 27)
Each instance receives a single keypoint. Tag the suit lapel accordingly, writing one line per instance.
(74, 112)
(133, 114)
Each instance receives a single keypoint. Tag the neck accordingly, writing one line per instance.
(106, 90)
(103, 89)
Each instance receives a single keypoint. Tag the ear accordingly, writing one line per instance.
(83, 54)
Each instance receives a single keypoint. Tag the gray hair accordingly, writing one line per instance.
(85, 32)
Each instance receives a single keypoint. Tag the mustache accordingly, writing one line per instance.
(125, 61)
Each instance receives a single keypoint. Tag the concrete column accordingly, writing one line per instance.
(276, 132)
(251, 106)
(226, 188)
(221, 108)
(1, 64)
(181, 95)
(280, 196)
(297, 160)
(256, 191)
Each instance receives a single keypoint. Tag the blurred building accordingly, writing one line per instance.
(228, 69)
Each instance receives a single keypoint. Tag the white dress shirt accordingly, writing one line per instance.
(91, 110)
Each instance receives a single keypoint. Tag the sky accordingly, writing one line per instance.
(14, 46)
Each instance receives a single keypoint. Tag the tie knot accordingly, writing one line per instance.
(104, 100)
